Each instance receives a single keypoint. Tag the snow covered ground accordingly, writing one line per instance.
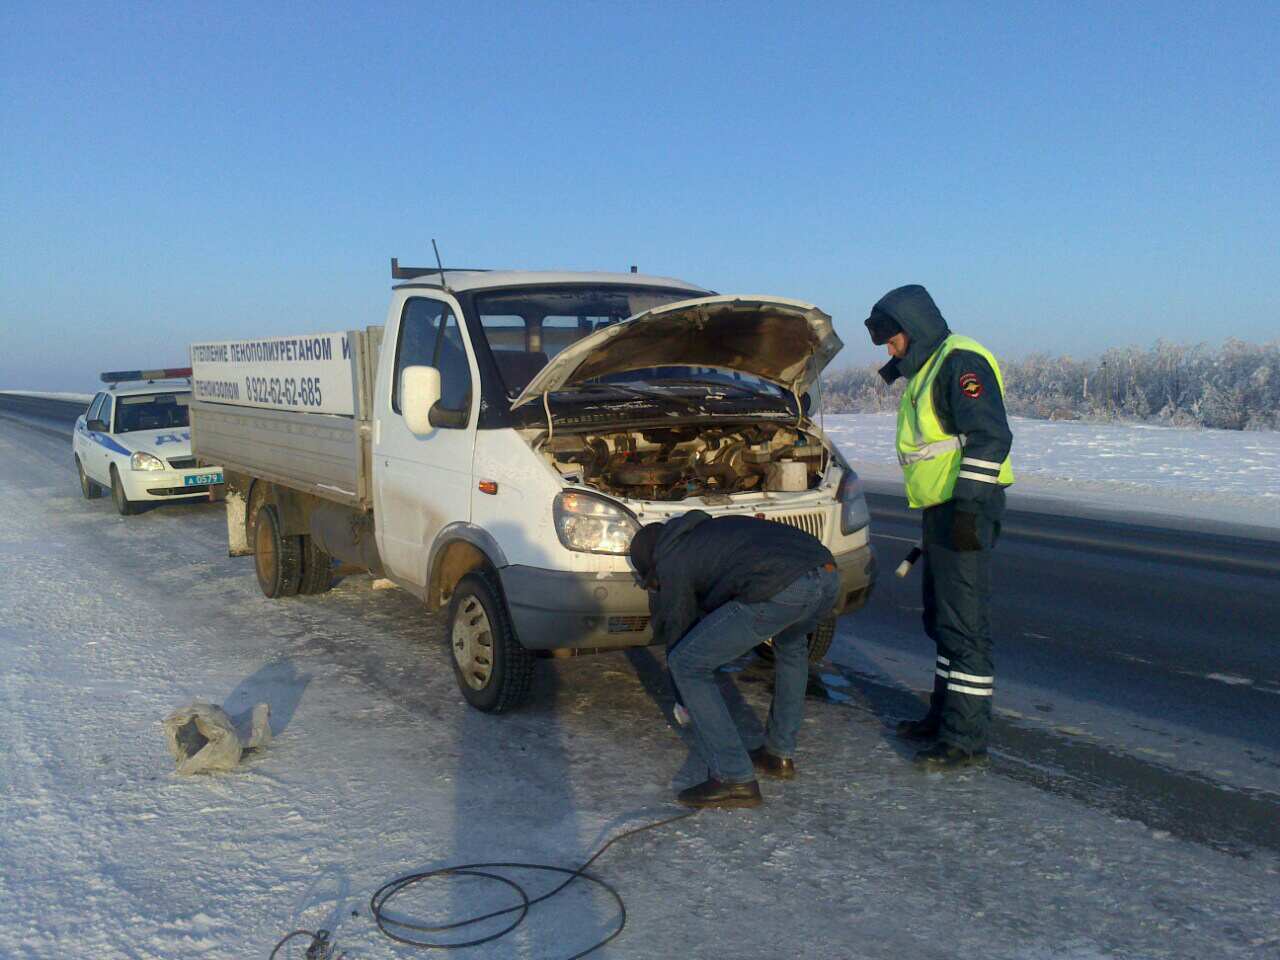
(378, 768)
(1223, 475)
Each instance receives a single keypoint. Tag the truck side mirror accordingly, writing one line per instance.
(96, 426)
(419, 392)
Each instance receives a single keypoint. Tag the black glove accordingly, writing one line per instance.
(964, 531)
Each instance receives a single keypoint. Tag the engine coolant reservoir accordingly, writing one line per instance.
(786, 476)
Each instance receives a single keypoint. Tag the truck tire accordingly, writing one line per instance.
(276, 559)
(88, 487)
(124, 506)
(493, 671)
(819, 642)
(317, 568)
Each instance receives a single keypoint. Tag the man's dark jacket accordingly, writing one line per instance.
(966, 395)
(701, 563)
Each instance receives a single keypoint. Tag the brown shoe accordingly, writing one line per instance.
(780, 768)
(713, 793)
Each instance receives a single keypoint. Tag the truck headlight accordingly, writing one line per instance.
(589, 524)
(145, 461)
(853, 505)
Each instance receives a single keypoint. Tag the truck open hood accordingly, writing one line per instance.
(786, 342)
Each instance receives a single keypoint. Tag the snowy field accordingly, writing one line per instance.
(378, 768)
(1219, 474)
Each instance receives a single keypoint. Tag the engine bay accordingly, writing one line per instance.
(677, 462)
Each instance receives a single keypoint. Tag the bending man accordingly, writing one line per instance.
(717, 588)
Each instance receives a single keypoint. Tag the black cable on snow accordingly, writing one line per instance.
(409, 932)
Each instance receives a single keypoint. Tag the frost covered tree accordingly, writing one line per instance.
(1235, 387)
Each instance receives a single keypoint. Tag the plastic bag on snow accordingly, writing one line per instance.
(203, 738)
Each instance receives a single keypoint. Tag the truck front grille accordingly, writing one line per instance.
(813, 522)
(182, 463)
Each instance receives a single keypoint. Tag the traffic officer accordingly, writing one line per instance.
(953, 445)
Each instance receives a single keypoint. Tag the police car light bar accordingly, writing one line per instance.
(168, 373)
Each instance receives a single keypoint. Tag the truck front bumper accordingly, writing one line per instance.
(560, 610)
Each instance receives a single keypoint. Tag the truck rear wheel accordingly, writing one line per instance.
(317, 568)
(819, 642)
(88, 487)
(493, 671)
(277, 559)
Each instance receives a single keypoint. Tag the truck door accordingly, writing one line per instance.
(422, 483)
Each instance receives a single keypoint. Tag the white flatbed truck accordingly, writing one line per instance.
(494, 445)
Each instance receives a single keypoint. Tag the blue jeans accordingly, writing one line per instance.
(728, 632)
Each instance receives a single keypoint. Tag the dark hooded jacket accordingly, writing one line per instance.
(702, 562)
(975, 409)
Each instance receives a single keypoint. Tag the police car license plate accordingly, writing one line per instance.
(202, 479)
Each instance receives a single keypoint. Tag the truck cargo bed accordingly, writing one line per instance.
(316, 453)
(249, 411)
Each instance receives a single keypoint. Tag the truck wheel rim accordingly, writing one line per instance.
(473, 643)
(264, 551)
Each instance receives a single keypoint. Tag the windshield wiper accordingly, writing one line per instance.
(636, 392)
(743, 388)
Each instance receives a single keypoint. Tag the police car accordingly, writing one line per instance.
(136, 441)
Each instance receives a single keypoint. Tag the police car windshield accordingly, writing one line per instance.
(151, 411)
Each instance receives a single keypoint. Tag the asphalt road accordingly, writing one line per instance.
(1138, 664)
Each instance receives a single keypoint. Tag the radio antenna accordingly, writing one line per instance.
(443, 282)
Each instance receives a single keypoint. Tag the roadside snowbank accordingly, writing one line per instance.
(84, 397)
(1216, 474)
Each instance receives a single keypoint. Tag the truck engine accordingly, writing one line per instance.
(677, 462)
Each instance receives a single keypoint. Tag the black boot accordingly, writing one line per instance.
(944, 756)
(713, 793)
(780, 768)
(922, 730)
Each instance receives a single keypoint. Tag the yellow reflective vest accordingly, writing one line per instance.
(930, 457)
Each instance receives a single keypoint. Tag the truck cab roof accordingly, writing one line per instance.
(494, 279)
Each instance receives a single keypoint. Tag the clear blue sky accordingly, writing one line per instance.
(1063, 176)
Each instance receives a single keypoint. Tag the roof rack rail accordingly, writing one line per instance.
(413, 273)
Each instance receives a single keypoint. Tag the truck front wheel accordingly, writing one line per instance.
(493, 671)
(277, 559)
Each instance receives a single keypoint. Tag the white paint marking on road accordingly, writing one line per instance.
(1230, 679)
(886, 536)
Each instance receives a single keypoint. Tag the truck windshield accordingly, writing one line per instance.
(151, 411)
(526, 328)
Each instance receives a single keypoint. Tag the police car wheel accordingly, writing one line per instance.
(90, 489)
(277, 559)
(494, 672)
(124, 506)
(819, 642)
